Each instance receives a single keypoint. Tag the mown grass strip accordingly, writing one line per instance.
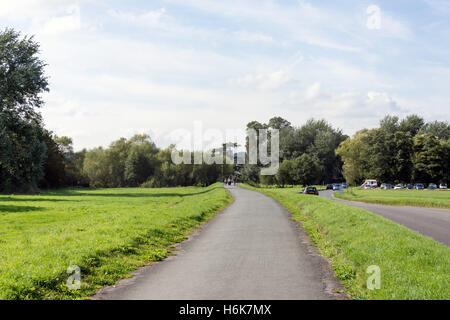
(106, 232)
(415, 198)
(412, 266)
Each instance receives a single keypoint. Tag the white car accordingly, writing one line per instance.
(398, 187)
(443, 186)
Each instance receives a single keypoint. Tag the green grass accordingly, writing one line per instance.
(106, 232)
(415, 198)
(412, 266)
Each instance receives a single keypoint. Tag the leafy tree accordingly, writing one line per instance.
(22, 154)
(440, 129)
(250, 173)
(409, 151)
(278, 123)
(430, 159)
(95, 167)
(117, 155)
(54, 167)
(403, 157)
(316, 138)
(22, 75)
(141, 161)
(389, 124)
(381, 151)
(352, 152)
(305, 170)
(284, 175)
(22, 146)
(412, 125)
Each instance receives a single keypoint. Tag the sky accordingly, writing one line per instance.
(117, 68)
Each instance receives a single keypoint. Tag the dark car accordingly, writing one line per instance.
(432, 186)
(419, 186)
(409, 187)
(344, 185)
(311, 190)
(329, 186)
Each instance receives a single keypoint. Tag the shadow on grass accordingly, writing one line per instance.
(83, 193)
(37, 199)
(11, 209)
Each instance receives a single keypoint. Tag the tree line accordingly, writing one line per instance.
(307, 153)
(406, 151)
(398, 151)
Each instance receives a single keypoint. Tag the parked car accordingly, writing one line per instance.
(329, 186)
(409, 187)
(432, 186)
(369, 184)
(443, 186)
(311, 190)
(398, 186)
(386, 186)
(336, 187)
(344, 185)
(419, 186)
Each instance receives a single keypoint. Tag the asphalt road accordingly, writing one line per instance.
(434, 223)
(251, 250)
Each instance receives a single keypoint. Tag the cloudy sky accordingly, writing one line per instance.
(122, 67)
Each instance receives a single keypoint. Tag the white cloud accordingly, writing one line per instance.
(440, 7)
(149, 18)
(253, 37)
(312, 91)
(36, 9)
(394, 28)
(267, 81)
(62, 24)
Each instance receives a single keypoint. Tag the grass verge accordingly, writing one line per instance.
(106, 232)
(416, 198)
(412, 266)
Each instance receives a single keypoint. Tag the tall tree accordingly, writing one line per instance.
(430, 159)
(22, 80)
(411, 124)
(305, 170)
(440, 129)
(22, 75)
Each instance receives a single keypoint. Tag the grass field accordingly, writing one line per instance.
(416, 198)
(412, 266)
(106, 232)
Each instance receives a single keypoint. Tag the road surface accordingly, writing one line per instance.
(251, 250)
(434, 223)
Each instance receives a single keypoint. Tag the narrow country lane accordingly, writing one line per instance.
(251, 250)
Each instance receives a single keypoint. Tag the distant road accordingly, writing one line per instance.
(434, 223)
(252, 250)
